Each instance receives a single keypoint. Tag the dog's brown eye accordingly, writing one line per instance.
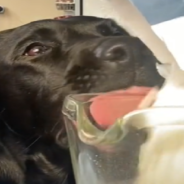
(35, 49)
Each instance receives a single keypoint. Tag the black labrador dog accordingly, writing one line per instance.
(42, 62)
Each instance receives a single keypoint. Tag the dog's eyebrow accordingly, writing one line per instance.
(43, 35)
(22, 44)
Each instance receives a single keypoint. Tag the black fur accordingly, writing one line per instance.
(32, 89)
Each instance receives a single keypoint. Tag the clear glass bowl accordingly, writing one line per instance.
(143, 147)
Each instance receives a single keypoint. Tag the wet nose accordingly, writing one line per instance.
(112, 50)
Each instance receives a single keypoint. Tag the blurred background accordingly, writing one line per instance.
(18, 12)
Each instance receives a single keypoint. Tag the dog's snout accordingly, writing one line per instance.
(113, 51)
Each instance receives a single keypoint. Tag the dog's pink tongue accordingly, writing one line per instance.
(107, 108)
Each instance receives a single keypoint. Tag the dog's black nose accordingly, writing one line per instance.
(112, 50)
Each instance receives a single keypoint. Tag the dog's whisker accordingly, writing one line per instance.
(64, 180)
(31, 137)
(54, 126)
(60, 87)
(9, 128)
(33, 143)
(2, 111)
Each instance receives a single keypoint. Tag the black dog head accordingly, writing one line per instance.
(44, 61)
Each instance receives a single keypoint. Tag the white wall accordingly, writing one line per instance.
(102, 8)
(19, 12)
